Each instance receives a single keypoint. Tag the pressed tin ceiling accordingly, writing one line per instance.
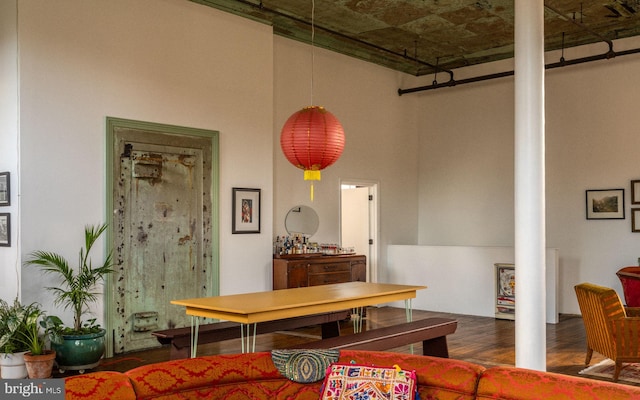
(419, 37)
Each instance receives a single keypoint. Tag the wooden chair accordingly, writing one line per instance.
(610, 331)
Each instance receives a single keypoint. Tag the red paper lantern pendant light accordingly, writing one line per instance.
(312, 139)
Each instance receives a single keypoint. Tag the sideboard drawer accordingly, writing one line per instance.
(329, 267)
(327, 279)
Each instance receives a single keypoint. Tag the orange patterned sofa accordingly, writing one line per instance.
(254, 376)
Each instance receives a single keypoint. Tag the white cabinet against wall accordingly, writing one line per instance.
(505, 291)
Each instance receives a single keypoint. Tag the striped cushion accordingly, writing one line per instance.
(304, 366)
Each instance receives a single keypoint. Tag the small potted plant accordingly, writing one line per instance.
(38, 360)
(80, 346)
(13, 327)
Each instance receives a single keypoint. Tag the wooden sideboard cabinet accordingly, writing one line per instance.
(299, 270)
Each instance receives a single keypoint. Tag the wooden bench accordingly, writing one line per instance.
(180, 338)
(431, 331)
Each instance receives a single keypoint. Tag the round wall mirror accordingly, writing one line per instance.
(302, 219)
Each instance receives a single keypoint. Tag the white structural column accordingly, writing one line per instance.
(530, 185)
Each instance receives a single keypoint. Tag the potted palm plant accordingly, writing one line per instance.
(80, 346)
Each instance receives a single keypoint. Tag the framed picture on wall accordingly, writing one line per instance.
(635, 220)
(605, 204)
(635, 192)
(5, 189)
(5, 229)
(246, 211)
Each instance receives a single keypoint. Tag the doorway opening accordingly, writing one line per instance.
(359, 221)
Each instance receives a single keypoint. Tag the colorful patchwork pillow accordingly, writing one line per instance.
(304, 366)
(364, 382)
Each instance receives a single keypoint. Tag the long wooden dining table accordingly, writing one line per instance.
(250, 308)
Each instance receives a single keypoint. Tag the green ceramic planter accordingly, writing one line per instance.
(79, 352)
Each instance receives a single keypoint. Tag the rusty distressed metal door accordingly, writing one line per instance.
(163, 232)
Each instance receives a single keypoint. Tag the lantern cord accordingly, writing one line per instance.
(311, 195)
(313, 36)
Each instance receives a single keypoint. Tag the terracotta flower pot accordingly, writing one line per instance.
(40, 366)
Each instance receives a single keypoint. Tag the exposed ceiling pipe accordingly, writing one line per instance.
(582, 26)
(452, 82)
(609, 54)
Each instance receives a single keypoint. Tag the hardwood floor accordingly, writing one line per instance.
(483, 340)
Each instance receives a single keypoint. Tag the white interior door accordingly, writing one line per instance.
(358, 221)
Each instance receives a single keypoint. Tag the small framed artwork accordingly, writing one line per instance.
(635, 192)
(246, 211)
(605, 204)
(635, 220)
(5, 229)
(5, 189)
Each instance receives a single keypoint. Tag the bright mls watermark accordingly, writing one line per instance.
(44, 389)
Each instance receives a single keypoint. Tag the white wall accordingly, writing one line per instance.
(165, 61)
(462, 279)
(191, 65)
(381, 142)
(9, 259)
(466, 164)
(592, 143)
(443, 159)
